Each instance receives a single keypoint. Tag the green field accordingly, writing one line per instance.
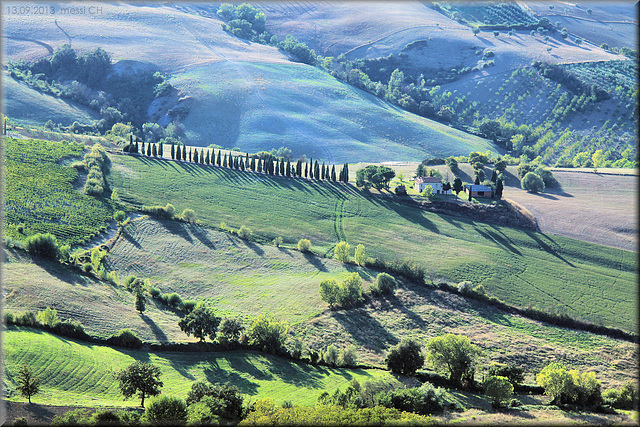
(39, 193)
(77, 374)
(521, 267)
(261, 106)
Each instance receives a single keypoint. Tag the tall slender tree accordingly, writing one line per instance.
(178, 153)
(322, 172)
(288, 168)
(219, 161)
(184, 152)
(207, 159)
(346, 172)
(224, 162)
(253, 164)
(173, 151)
(136, 149)
(241, 164)
(246, 160)
(154, 150)
(282, 167)
(190, 156)
(306, 170)
(195, 157)
(499, 188)
(259, 165)
(316, 170)
(333, 173)
(143, 150)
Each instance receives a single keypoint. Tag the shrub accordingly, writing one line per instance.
(330, 356)
(87, 267)
(341, 252)
(154, 292)
(385, 284)
(514, 373)
(125, 338)
(222, 400)
(532, 183)
(304, 245)
(348, 356)
(245, 233)
(75, 417)
(167, 410)
(499, 389)
(71, 329)
(268, 334)
(188, 305)
(423, 400)
(44, 245)
(173, 300)
(454, 354)
(277, 242)
(405, 358)
(465, 288)
(48, 317)
(119, 216)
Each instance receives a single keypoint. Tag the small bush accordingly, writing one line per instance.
(167, 410)
(71, 329)
(125, 338)
(465, 288)
(245, 233)
(188, 305)
(277, 242)
(304, 245)
(385, 284)
(44, 245)
(330, 356)
(87, 267)
(154, 292)
(173, 300)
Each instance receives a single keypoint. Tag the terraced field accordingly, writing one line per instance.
(523, 268)
(77, 374)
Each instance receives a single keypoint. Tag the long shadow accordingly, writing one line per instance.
(373, 336)
(316, 262)
(200, 234)
(160, 336)
(59, 272)
(131, 240)
(176, 228)
(299, 374)
(546, 196)
(544, 246)
(215, 374)
(412, 215)
(253, 247)
(365, 274)
(499, 240)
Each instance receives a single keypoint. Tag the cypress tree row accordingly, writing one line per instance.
(154, 151)
(173, 151)
(219, 162)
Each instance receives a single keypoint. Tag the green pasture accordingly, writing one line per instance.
(521, 267)
(79, 374)
(259, 106)
(39, 193)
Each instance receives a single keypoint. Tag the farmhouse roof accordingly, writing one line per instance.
(427, 179)
(478, 187)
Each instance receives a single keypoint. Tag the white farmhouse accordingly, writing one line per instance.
(433, 181)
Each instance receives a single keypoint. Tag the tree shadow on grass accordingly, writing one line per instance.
(159, 334)
(216, 375)
(129, 238)
(257, 249)
(364, 329)
(64, 274)
(497, 239)
(315, 261)
(548, 249)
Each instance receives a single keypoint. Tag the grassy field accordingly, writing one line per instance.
(521, 267)
(254, 106)
(78, 374)
(39, 193)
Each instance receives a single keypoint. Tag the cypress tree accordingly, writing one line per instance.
(499, 188)
(322, 171)
(178, 153)
(276, 167)
(148, 148)
(160, 149)
(224, 163)
(477, 181)
(246, 160)
(173, 151)
(341, 176)
(207, 159)
(494, 176)
(219, 157)
(154, 151)
(143, 150)
(288, 168)
(236, 163)
(259, 166)
(242, 164)
(282, 167)
(333, 173)
(137, 149)
(306, 170)
(190, 157)
(253, 164)
(316, 170)
(346, 173)
(184, 152)
(195, 157)
(298, 168)
(272, 169)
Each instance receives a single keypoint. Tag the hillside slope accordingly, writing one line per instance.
(245, 95)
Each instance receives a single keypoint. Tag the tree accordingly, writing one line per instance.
(532, 183)
(453, 354)
(231, 328)
(140, 305)
(218, 161)
(140, 378)
(268, 334)
(457, 185)
(499, 188)
(195, 157)
(476, 31)
(329, 291)
(348, 356)
(555, 380)
(167, 410)
(201, 322)
(304, 245)
(28, 382)
(330, 356)
(224, 400)
(173, 151)
(333, 173)
(405, 358)
(427, 192)
(496, 33)
(374, 176)
(341, 252)
(360, 256)
(499, 389)
(178, 153)
(119, 216)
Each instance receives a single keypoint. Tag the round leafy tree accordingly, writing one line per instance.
(532, 183)
(405, 358)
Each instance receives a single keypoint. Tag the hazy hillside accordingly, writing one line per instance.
(246, 95)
